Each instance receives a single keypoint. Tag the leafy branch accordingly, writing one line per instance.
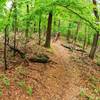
(83, 18)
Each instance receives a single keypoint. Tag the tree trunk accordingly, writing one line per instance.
(5, 48)
(27, 24)
(69, 32)
(48, 35)
(39, 30)
(96, 36)
(85, 38)
(77, 30)
(54, 25)
(59, 25)
(94, 45)
(34, 27)
(15, 23)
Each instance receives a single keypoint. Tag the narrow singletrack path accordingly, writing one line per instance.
(72, 73)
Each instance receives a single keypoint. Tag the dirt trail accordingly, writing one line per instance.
(72, 73)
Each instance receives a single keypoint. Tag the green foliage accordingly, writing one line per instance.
(6, 82)
(29, 91)
(22, 84)
(82, 93)
(67, 11)
(94, 80)
(1, 92)
(89, 98)
(97, 90)
(24, 87)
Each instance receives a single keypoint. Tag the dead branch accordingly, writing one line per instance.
(71, 48)
(22, 54)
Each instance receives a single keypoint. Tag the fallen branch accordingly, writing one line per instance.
(71, 48)
(17, 51)
(40, 58)
(67, 47)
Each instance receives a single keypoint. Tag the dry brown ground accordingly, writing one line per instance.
(68, 77)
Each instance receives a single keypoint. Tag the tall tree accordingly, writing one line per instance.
(77, 31)
(15, 23)
(40, 29)
(5, 47)
(34, 26)
(48, 34)
(85, 38)
(68, 32)
(27, 24)
(96, 36)
(59, 23)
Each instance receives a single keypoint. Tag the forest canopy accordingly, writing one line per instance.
(72, 18)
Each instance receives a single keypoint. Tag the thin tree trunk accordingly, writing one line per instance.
(85, 38)
(5, 48)
(15, 23)
(39, 30)
(96, 36)
(48, 35)
(88, 41)
(94, 45)
(59, 25)
(69, 32)
(77, 30)
(54, 25)
(76, 35)
(45, 28)
(6, 41)
(27, 25)
(34, 27)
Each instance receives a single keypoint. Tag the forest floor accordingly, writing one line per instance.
(69, 76)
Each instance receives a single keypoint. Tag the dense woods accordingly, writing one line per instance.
(36, 35)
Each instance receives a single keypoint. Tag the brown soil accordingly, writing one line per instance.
(62, 79)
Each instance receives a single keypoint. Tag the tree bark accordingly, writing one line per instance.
(59, 22)
(34, 27)
(27, 24)
(54, 25)
(94, 45)
(69, 32)
(77, 31)
(39, 30)
(6, 40)
(15, 23)
(48, 35)
(96, 36)
(85, 38)
(5, 48)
